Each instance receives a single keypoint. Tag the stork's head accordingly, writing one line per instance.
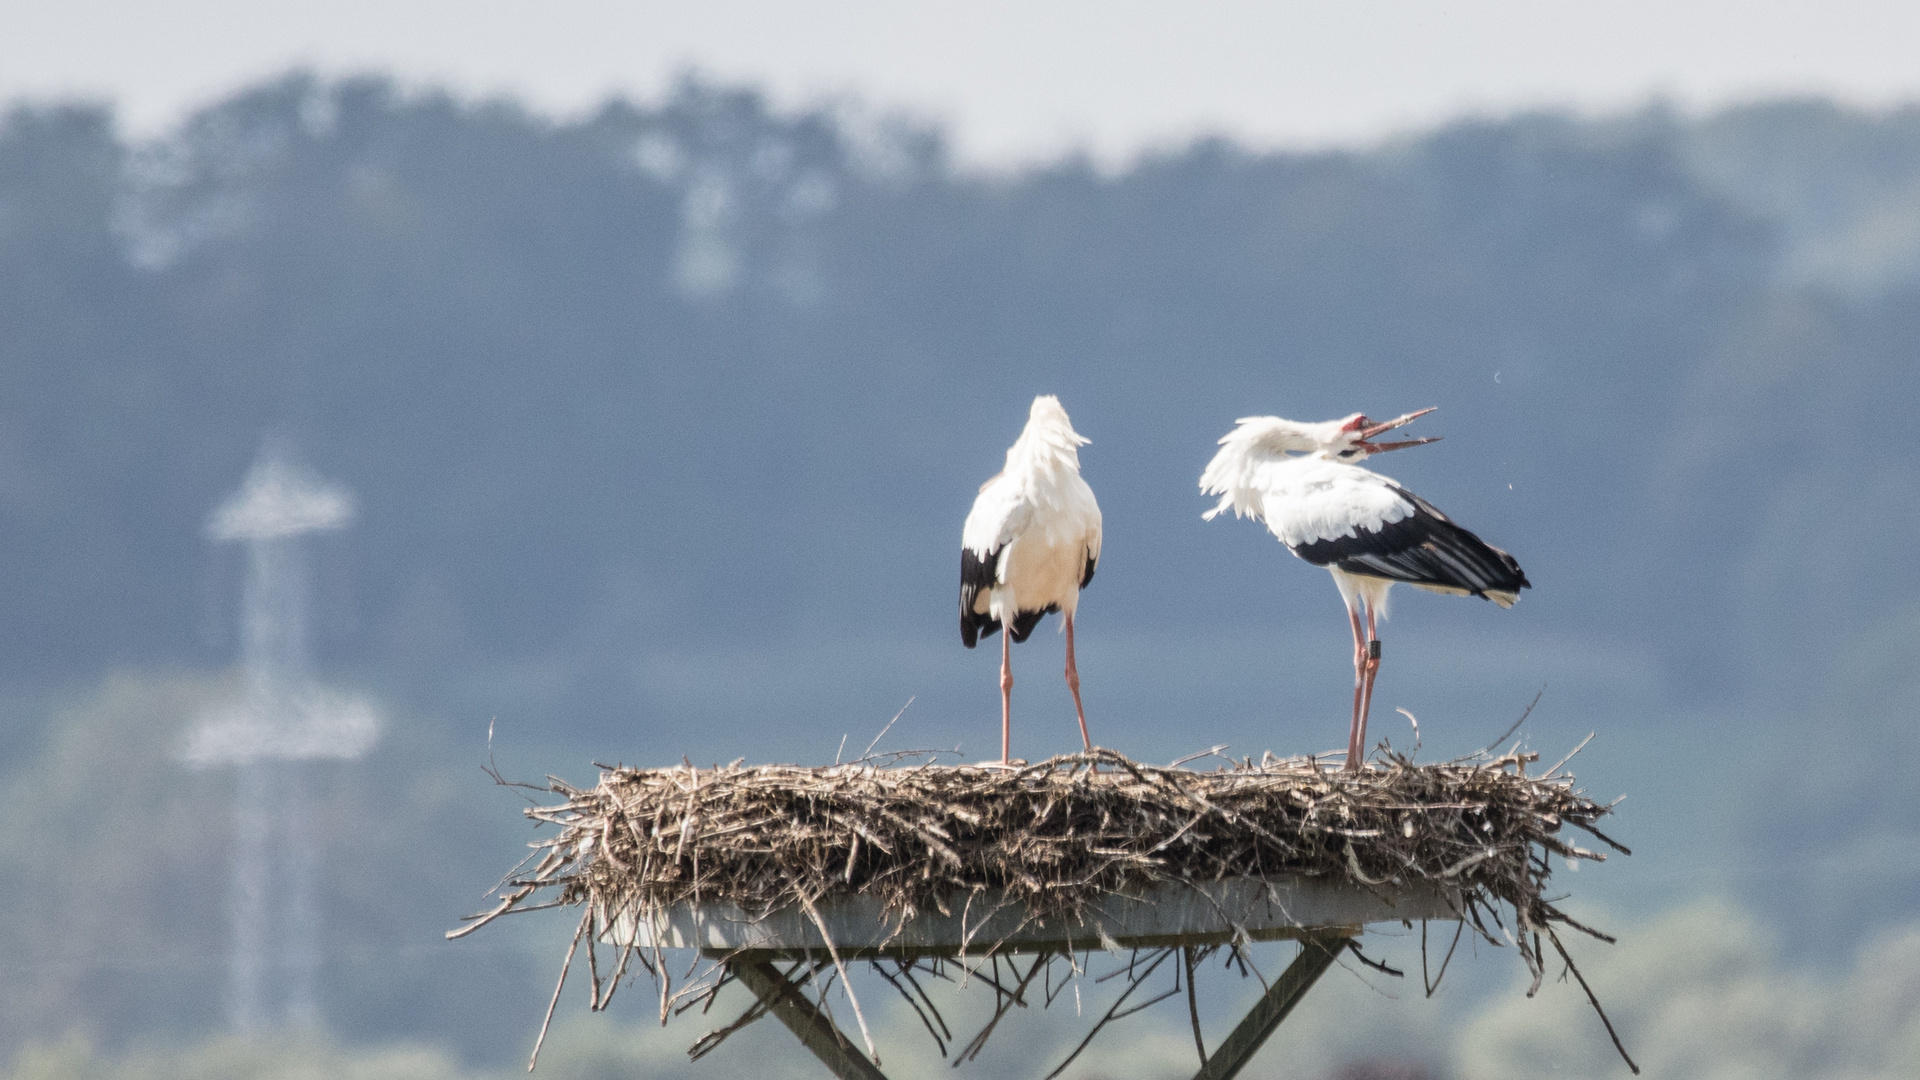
(1047, 422)
(1048, 441)
(1351, 439)
(1235, 471)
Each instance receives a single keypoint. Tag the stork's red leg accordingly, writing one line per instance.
(1356, 733)
(1073, 684)
(1372, 667)
(1006, 691)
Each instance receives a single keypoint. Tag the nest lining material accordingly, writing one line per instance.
(1056, 835)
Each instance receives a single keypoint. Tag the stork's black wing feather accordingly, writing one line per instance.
(1423, 548)
(1087, 575)
(1024, 622)
(976, 574)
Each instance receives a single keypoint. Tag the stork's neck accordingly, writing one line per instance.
(1293, 437)
(1048, 444)
(1239, 471)
(1042, 450)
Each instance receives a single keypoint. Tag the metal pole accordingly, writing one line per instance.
(249, 889)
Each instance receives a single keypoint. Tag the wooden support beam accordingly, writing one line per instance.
(1317, 954)
(786, 1001)
(790, 1004)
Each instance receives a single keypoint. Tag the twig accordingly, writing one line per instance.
(918, 1011)
(1208, 752)
(1459, 927)
(1415, 721)
(1593, 1000)
(1193, 1007)
(868, 752)
(1570, 754)
(834, 951)
(1353, 946)
(1131, 987)
(534, 1058)
(1528, 711)
(1003, 1002)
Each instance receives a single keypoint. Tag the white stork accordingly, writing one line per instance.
(1029, 546)
(1305, 482)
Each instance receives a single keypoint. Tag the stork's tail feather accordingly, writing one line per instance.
(1024, 623)
(978, 627)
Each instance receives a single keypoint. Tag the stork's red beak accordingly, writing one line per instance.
(1402, 444)
(1370, 430)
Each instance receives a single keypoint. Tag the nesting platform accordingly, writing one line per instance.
(1322, 915)
(991, 921)
(911, 864)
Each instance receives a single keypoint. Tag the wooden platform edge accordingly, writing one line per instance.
(1172, 913)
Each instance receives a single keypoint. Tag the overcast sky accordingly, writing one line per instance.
(1013, 79)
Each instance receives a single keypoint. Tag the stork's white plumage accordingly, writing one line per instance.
(1305, 482)
(1029, 546)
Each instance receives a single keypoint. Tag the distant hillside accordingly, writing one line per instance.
(596, 379)
(663, 423)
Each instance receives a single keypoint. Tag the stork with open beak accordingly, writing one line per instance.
(1305, 482)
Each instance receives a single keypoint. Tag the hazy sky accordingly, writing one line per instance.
(1015, 79)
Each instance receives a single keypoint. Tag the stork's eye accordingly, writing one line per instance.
(1348, 452)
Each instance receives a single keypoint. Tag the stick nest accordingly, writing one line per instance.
(1057, 834)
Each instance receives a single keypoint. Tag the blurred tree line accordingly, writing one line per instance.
(701, 372)
(633, 377)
